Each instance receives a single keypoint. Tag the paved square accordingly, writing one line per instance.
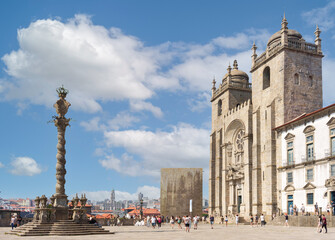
(204, 232)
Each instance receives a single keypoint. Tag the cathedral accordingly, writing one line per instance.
(245, 148)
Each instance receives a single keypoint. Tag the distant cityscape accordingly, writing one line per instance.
(97, 207)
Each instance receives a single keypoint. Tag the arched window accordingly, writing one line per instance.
(296, 79)
(310, 78)
(219, 107)
(266, 78)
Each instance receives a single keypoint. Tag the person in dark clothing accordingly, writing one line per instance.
(324, 223)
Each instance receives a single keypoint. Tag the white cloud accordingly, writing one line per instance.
(200, 103)
(1, 165)
(121, 120)
(93, 62)
(324, 16)
(138, 106)
(100, 65)
(93, 125)
(182, 146)
(148, 191)
(25, 166)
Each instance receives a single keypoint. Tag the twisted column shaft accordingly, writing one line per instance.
(61, 124)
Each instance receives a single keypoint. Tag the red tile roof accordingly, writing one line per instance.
(79, 204)
(146, 211)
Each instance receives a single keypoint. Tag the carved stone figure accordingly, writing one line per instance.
(330, 182)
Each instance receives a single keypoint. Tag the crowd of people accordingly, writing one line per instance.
(294, 210)
(186, 221)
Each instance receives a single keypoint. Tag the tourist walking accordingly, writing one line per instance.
(324, 223)
(226, 220)
(302, 209)
(319, 228)
(172, 222)
(195, 222)
(187, 221)
(153, 222)
(148, 221)
(328, 209)
(251, 220)
(262, 220)
(211, 219)
(221, 222)
(286, 220)
(179, 222)
(256, 220)
(19, 220)
(333, 206)
(236, 219)
(159, 221)
(13, 222)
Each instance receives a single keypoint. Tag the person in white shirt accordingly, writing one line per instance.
(236, 219)
(153, 222)
(195, 222)
(187, 221)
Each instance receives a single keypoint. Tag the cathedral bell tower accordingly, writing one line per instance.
(233, 90)
(287, 82)
(232, 93)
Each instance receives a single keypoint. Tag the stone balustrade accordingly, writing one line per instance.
(47, 213)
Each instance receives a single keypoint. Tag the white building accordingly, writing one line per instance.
(306, 169)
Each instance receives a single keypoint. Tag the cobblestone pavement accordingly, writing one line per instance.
(204, 232)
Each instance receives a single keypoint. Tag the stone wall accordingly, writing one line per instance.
(302, 221)
(5, 216)
(178, 186)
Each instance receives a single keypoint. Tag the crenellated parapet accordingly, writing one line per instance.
(238, 108)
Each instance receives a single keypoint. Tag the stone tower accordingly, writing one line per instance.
(230, 99)
(232, 91)
(286, 82)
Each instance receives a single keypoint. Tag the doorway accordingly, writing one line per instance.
(289, 204)
(332, 196)
(239, 201)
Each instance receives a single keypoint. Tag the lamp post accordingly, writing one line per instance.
(141, 210)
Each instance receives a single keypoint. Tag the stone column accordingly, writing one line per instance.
(225, 187)
(256, 164)
(61, 123)
(247, 186)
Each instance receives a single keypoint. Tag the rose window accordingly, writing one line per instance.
(239, 140)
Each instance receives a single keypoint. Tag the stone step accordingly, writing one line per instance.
(59, 228)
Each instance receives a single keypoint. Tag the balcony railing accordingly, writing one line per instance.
(290, 163)
(307, 159)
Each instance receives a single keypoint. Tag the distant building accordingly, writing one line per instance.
(140, 196)
(112, 200)
(178, 187)
(204, 203)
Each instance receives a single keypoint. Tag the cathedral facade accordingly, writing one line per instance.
(245, 149)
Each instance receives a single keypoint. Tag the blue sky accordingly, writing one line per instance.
(139, 75)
